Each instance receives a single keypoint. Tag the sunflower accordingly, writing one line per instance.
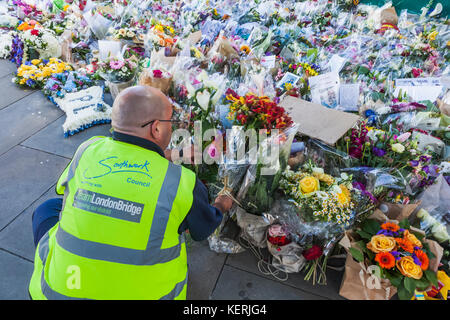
(393, 227)
(385, 259)
(423, 258)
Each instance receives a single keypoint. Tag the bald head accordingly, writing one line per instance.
(137, 105)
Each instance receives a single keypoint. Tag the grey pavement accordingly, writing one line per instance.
(34, 152)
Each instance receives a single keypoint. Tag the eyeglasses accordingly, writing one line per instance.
(173, 121)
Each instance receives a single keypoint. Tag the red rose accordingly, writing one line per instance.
(35, 32)
(313, 253)
(157, 73)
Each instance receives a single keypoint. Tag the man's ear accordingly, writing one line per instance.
(156, 132)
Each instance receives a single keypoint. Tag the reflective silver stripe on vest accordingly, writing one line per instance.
(48, 292)
(51, 294)
(76, 159)
(176, 291)
(153, 254)
(73, 165)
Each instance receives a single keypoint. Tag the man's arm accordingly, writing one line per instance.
(203, 218)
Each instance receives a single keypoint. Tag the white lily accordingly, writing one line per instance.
(203, 99)
(217, 96)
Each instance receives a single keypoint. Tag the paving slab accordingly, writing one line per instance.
(248, 261)
(10, 92)
(7, 68)
(25, 117)
(15, 276)
(25, 175)
(204, 268)
(235, 284)
(21, 228)
(51, 138)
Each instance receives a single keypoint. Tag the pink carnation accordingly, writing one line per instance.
(116, 65)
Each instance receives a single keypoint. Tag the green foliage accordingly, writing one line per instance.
(431, 276)
(357, 255)
(370, 227)
(404, 224)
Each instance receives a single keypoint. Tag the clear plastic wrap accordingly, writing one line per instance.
(435, 209)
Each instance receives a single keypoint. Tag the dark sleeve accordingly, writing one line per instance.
(203, 218)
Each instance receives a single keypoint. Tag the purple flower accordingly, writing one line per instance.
(416, 260)
(414, 163)
(378, 152)
(426, 169)
(424, 158)
(396, 255)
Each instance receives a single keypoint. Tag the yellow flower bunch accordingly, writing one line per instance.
(36, 71)
(309, 71)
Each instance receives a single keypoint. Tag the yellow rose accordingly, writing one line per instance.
(309, 184)
(324, 177)
(381, 243)
(408, 268)
(412, 238)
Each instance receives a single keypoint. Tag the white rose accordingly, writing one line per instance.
(422, 214)
(439, 231)
(318, 170)
(429, 220)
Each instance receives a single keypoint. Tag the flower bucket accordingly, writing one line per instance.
(116, 87)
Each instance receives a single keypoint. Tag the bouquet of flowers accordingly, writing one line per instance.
(34, 73)
(119, 73)
(160, 36)
(117, 70)
(6, 41)
(256, 112)
(318, 195)
(398, 253)
(128, 34)
(59, 84)
(157, 78)
(40, 43)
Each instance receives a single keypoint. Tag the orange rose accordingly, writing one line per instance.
(381, 243)
(408, 268)
(412, 238)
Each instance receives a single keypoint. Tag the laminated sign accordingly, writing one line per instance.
(317, 121)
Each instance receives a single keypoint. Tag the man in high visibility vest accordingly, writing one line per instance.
(119, 231)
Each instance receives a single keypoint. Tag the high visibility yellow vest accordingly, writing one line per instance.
(117, 235)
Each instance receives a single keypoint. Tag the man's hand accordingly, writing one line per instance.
(188, 155)
(223, 203)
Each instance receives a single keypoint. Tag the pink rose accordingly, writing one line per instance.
(157, 74)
